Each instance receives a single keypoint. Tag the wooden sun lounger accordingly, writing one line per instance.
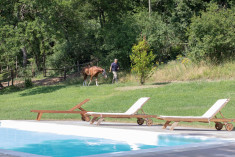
(132, 112)
(82, 111)
(209, 116)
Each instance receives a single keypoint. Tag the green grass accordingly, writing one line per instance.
(188, 98)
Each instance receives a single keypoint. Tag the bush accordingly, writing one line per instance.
(142, 60)
(212, 35)
(28, 82)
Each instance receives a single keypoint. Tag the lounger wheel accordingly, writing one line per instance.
(149, 122)
(218, 126)
(86, 118)
(229, 127)
(140, 121)
(83, 118)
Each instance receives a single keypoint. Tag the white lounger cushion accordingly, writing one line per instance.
(132, 110)
(101, 113)
(182, 118)
(137, 105)
(208, 115)
(215, 108)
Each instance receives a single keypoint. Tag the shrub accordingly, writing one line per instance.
(28, 82)
(142, 60)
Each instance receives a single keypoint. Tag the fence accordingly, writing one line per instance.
(63, 72)
(10, 75)
(67, 69)
(7, 77)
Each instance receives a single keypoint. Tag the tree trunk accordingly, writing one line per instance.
(1, 86)
(103, 17)
(142, 80)
(100, 16)
(24, 56)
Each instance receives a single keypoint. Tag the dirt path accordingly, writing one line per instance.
(43, 82)
(137, 87)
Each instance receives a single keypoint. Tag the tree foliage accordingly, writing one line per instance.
(142, 59)
(212, 35)
(58, 33)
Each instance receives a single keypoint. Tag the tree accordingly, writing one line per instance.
(142, 60)
(23, 28)
(9, 45)
(62, 33)
(160, 36)
(212, 35)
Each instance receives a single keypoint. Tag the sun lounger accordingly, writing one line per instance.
(209, 116)
(132, 112)
(82, 111)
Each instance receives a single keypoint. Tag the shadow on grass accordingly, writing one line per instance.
(78, 81)
(160, 83)
(42, 90)
(10, 89)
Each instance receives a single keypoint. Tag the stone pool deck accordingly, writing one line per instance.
(225, 149)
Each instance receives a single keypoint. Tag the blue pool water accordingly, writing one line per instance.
(55, 145)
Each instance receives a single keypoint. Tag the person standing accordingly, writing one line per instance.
(114, 68)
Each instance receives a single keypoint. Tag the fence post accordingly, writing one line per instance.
(12, 77)
(64, 73)
(45, 72)
(8, 77)
(78, 68)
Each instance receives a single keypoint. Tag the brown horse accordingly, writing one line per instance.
(93, 72)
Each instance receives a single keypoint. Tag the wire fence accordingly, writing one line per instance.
(11, 74)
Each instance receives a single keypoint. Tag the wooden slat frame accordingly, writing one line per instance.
(123, 116)
(206, 120)
(135, 115)
(78, 106)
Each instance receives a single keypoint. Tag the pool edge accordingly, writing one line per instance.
(141, 152)
(166, 150)
(18, 154)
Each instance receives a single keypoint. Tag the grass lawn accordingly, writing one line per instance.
(186, 98)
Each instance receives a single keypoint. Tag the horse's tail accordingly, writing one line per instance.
(84, 70)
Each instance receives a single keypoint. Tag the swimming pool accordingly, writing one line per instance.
(70, 141)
